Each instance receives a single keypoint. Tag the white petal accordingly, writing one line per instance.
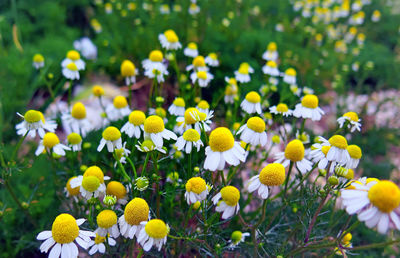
(55, 251)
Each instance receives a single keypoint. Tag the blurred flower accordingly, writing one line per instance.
(38, 61)
(86, 47)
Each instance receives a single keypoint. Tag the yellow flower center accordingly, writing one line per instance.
(310, 101)
(171, 36)
(137, 117)
(38, 58)
(256, 124)
(154, 124)
(294, 151)
(236, 236)
(106, 219)
(74, 138)
(276, 139)
(347, 238)
(99, 239)
(282, 108)
(290, 72)
(179, 102)
(203, 104)
(192, 46)
(221, 139)
(232, 81)
(352, 116)
(272, 64)
(385, 195)
(148, 144)
(73, 55)
(230, 195)
(354, 151)
(213, 56)
(111, 133)
(350, 174)
(72, 66)
(202, 75)
(50, 140)
(120, 102)
(338, 141)
(325, 150)
(64, 229)
(116, 189)
(127, 68)
(156, 228)
(72, 191)
(32, 116)
(244, 68)
(253, 97)
(192, 115)
(272, 46)
(94, 171)
(156, 56)
(161, 112)
(78, 111)
(199, 61)
(196, 185)
(273, 174)
(136, 211)
(191, 135)
(90, 183)
(97, 91)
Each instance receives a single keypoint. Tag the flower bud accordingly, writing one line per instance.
(333, 180)
(109, 200)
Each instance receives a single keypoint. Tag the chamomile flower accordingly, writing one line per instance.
(198, 64)
(203, 106)
(191, 119)
(308, 108)
(376, 16)
(352, 120)
(135, 124)
(271, 54)
(136, 211)
(129, 72)
(194, 8)
(196, 190)
(98, 91)
(229, 205)
(148, 145)
(71, 191)
(71, 71)
(243, 73)
(296, 90)
(271, 175)
(271, 68)
(86, 47)
(189, 139)
(38, 61)
(355, 155)
(237, 237)
(119, 109)
(154, 66)
(74, 141)
(223, 148)
(231, 90)
(118, 190)
(178, 107)
(319, 154)
(73, 56)
(142, 183)
(34, 121)
(375, 203)
(304, 137)
(91, 183)
(50, 142)
(60, 240)
(290, 76)
(252, 103)
(338, 151)
(111, 138)
(155, 130)
(294, 152)
(281, 109)
(169, 40)
(76, 121)
(253, 132)
(212, 60)
(107, 223)
(97, 245)
(121, 154)
(203, 78)
(191, 50)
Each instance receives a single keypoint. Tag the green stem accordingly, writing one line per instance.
(143, 173)
(158, 197)
(124, 174)
(222, 177)
(288, 177)
(132, 165)
(18, 145)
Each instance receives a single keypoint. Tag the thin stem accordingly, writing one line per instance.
(124, 174)
(18, 145)
(222, 177)
(288, 177)
(132, 165)
(143, 173)
(158, 197)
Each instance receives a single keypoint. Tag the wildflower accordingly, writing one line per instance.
(191, 50)
(271, 54)
(308, 108)
(212, 60)
(271, 68)
(253, 132)
(119, 109)
(154, 128)
(295, 89)
(64, 231)
(191, 119)
(111, 137)
(338, 151)
(118, 190)
(360, 39)
(242, 74)
(129, 72)
(71, 71)
(107, 224)
(290, 76)
(35, 121)
(223, 148)
(203, 78)
(91, 183)
(345, 242)
(141, 183)
(196, 190)
(271, 175)
(86, 47)
(164, 9)
(77, 121)
(73, 56)
(38, 61)
(74, 141)
(194, 8)
(154, 66)
(189, 138)
(294, 152)
(318, 155)
(229, 205)
(108, 8)
(49, 142)
(198, 64)
(252, 103)
(281, 109)
(352, 119)
(376, 16)
(70, 191)
(136, 211)
(109, 200)
(203, 106)
(98, 244)
(237, 237)
(375, 203)
(148, 145)
(169, 40)
(303, 137)
(135, 124)
(231, 90)
(97, 91)
(355, 155)
(178, 107)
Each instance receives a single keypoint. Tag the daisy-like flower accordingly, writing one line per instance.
(375, 202)
(111, 137)
(129, 72)
(121, 154)
(190, 120)
(308, 108)
(71, 71)
(203, 106)
(376, 16)
(212, 60)
(355, 154)
(251, 103)
(271, 54)
(73, 56)
(70, 191)
(86, 47)
(253, 132)
(303, 137)
(119, 109)
(135, 124)
(295, 89)
(91, 183)
(189, 139)
(243, 73)
(352, 120)
(178, 107)
(97, 245)
(77, 121)
(194, 8)
(64, 231)
(198, 64)
(290, 76)
(191, 50)
(164, 9)
(231, 90)
(229, 205)
(35, 121)
(338, 151)
(107, 223)
(142, 183)
(148, 145)
(118, 190)
(294, 152)
(271, 175)
(38, 61)
(223, 148)
(154, 66)
(271, 68)
(50, 142)
(169, 40)
(203, 78)
(74, 141)
(155, 130)
(281, 109)
(237, 237)
(319, 154)
(97, 91)
(196, 190)
(136, 211)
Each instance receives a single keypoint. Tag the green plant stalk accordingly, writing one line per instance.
(133, 166)
(158, 196)
(18, 145)
(124, 174)
(221, 172)
(288, 177)
(255, 226)
(143, 173)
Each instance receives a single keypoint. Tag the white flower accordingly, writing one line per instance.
(177, 107)
(148, 146)
(196, 190)
(203, 78)
(90, 185)
(154, 129)
(271, 175)
(135, 124)
(76, 121)
(229, 205)
(86, 47)
(294, 152)
(308, 108)
(169, 40)
(50, 142)
(111, 138)
(212, 60)
(189, 138)
(253, 132)
(281, 109)
(119, 109)
(74, 57)
(98, 244)
(35, 121)
(271, 68)
(352, 119)
(191, 50)
(252, 103)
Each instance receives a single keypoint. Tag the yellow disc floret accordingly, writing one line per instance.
(385, 195)
(72, 66)
(90, 183)
(128, 69)
(354, 151)
(179, 102)
(32, 116)
(192, 45)
(64, 229)
(156, 56)
(38, 58)
(137, 117)
(74, 138)
(202, 75)
(94, 171)
(310, 101)
(72, 191)
(352, 116)
(256, 124)
(294, 150)
(282, 108)
(347, 238)
(230, 195)
(203, 104)
(192, 115)
(111, 133)
(272, 46)
(338, 141)
(156, 228)
(325, 150)
(120, 102)
(272, 64)
(106, 219)
(99, 239)
(199, 61)
(171, 36)
(117, 189)
(73, 55)
(136, 211)
(273, 174)
(154, 124)
(97, 91)
(290, 72)
(78, 111)
(244, 68)
(196, 185)
(50, 140)
(253, 97)
(221, 139)
(191, 135)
